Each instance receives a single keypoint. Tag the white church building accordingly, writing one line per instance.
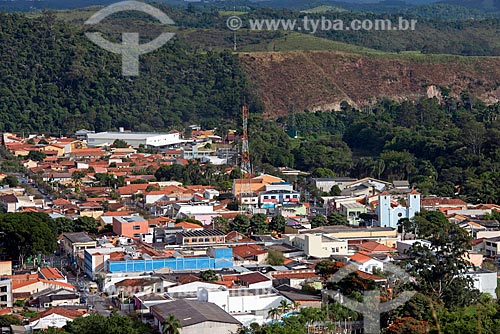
(389, 214)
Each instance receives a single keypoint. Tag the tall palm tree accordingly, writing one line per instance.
(171, 325)
(273, 313)
(284, 306)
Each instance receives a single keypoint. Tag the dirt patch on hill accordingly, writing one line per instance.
(322, 80)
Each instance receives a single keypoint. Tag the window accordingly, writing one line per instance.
(137, 235)
(266, 197)
(137, 227)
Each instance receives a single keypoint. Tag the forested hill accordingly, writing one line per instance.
(54, 80)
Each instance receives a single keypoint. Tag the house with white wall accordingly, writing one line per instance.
(365, 263)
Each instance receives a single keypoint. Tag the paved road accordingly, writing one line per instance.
(98, 304)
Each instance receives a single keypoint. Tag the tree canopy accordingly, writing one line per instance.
(27, 234)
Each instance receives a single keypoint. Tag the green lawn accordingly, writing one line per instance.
(323, 9)
(231, 13)
(295, 41)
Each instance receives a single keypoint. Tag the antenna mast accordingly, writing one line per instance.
(245, 154)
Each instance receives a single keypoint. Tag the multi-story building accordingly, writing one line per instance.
(5, 292)
(270, 199)
(201, 238)
(130, 226)
(318, 245)
(74, 244)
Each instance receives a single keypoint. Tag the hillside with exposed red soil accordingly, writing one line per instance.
(322, 80)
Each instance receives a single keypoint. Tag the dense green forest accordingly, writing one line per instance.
(54, 80)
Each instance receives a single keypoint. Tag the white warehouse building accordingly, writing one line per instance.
(134, 139)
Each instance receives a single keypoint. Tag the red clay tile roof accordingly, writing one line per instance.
(61, 201)
(477, 241)
(134, 282)
(372, 246)
(253, 278)
(5, 311)
(367, 276)
(160, 220)
(20, 284)
(188, 225)
(51, 273)
(117, 213)
(68, 313)
(132, 188)
(188, 279)
(88, 152)
(360, 258)
(246, 251)
(442, 201)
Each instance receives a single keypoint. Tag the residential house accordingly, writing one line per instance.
(403, 246)
(375, 185)
(24, 288)
(13, 203)
(249, 199)
(492, 246)
(51, 274)
(56, 317)
(485, 281)
(352, 211)
(55, 298)
(254, 280)
(249, 254)
(187, 226)
(436, 203)
(91, 209)
(297, 296)
(293, 278)
(326, 184)
(373, 247)
(196, 317)
(365, 263)
(135, 286)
